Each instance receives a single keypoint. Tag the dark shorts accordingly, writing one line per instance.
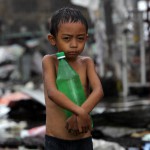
(53, 143)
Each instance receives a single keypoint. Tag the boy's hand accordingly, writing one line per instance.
(84, 121)
(72, 126)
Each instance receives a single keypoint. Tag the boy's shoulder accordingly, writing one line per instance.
(49, 57)
(86, 59)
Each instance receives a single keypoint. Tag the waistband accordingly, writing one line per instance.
(48, 137)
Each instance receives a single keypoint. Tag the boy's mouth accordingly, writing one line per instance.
(73, 53)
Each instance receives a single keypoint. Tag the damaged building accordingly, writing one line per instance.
(119, 44)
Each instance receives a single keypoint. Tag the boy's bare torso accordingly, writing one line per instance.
(55, 116)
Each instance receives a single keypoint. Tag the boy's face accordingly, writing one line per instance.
(71, 38)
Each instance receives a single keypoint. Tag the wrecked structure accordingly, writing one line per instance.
(117, 121)
(121, 120)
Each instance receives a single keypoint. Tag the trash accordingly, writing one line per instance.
(30, 111)
(140, 134)
(4, 110)
(32, 43)
(37, 131)
(146, 146)
(12, 143)
(35, 94)
(133, 148)
(116, 132)
(10, 53)
(10, 129)
(6, 70)
(146, 137)
(7, 98)
(34, 143)
(105, 145)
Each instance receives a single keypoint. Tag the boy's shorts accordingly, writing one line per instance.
(53, 143)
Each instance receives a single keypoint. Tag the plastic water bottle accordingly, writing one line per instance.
(68, 82)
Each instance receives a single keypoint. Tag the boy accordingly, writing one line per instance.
(68, 32)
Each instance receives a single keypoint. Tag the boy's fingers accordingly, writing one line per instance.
(80, 128)
(70, 131)
(67, 125)
(85, 129)
(76, 132)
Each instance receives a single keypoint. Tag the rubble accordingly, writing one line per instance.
(119, 123)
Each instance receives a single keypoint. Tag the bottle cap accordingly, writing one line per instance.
(60, 55)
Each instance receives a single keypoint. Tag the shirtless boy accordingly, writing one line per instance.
(68, 32)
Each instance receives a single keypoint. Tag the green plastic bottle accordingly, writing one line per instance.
(68, 82)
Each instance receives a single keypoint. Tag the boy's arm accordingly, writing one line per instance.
(49, 79)
(95, 84)
(92, 100)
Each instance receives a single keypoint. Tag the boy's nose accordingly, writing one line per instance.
(73, 43)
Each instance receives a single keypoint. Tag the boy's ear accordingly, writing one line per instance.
(87, 36)
(51, 39)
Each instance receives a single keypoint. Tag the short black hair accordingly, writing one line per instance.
(65, 15)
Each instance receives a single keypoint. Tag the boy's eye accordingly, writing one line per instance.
(66, 38)
(80, 38)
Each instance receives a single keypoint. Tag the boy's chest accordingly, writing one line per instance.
(82, 72)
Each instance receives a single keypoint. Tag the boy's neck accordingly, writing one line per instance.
(72, 60)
